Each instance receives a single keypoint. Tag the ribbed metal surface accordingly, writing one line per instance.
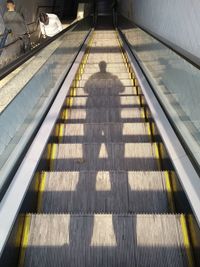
(110, 67)
(105, 133)
(113, 80)
(105, 101)
(119, 75)
(103, 115)
(104, 192)
(105, 156)
(127, 90)
(105, 240)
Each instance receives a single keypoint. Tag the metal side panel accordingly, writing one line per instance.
(183, 166)
(12, 201)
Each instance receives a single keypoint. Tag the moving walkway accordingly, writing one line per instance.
(105, 190)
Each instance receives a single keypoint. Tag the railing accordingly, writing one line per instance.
(35, 23)
(23, 58)
(175, 82)
(21, 118)
(3, 38)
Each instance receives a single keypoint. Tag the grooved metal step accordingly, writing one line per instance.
(105, 156)
(128, 91)
(105, 240)
(103, 115)
(110, 67)
(116, 66)
(104, 192)
(105, 133)
(105, 101)
(112, 59)
(119, 75)
(111, 80)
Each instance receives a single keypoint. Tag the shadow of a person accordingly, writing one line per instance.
(100, 189)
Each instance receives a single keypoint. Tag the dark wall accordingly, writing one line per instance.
(69, 8)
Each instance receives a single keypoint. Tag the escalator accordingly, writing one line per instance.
(104, 190)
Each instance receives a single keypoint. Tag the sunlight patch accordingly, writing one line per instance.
(103, 232)
(103, 181)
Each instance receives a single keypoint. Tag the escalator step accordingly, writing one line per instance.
(128, 90)
(105, 133)
(119, 75)
(108, 156)
(105, 101)
(103, 192)
(110, 67)
(103, 115)
(113, 81)
(105, 240)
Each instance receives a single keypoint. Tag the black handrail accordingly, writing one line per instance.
(3, 40)
(23, 58)
(28, 24)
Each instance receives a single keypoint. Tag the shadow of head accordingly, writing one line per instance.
(102, 66)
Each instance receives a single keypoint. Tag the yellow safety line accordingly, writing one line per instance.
(61, 132)
(186, 241)
(57, 130)
(43, 176)
(169, 191)
(71, 101)
(53, 156)
(74, 92)
(158, 155)
(149, 130)
(66, 114)
(71, 91)
(193, 233)
(25, 237)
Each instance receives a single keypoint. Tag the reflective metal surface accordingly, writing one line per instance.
(174, 80)
(26, 97)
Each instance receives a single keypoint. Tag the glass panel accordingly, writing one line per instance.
(25, 97)
(175, 82)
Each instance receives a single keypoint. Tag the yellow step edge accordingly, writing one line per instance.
(43, 176)
(194, 231)
(61, 132)
(24, 241)
(158, 155)
(48, 152)
(71, 91)
(57, 130)
(169, 188)
(66, 114)
(74, 91)
(62, 116)
(69, 101)
(53, 156)
(186, 241)
(149, 131)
